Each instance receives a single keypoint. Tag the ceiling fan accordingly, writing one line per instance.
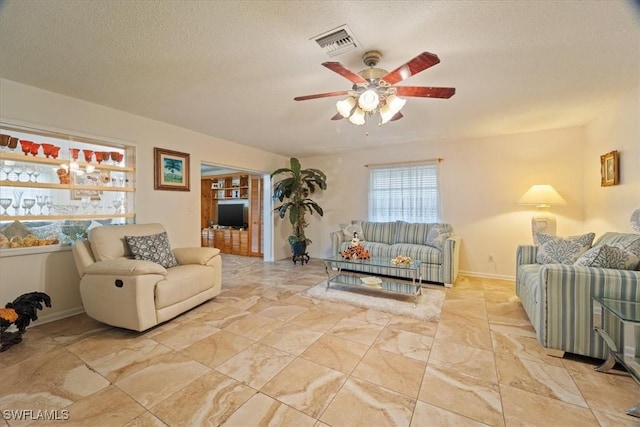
(374, 89)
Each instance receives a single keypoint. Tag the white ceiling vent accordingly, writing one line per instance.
(337, 41)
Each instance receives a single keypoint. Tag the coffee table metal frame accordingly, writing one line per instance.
(628, 313)
(337, 264)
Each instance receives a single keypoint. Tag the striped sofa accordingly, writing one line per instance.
(390, 239)
(557, 299)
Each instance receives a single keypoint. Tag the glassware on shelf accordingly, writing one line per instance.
(27, 204)
(29, 169)
(117, 204)
(48, 202)
(40, 201)
(5, 202)
(4, 141)
(95, 204)
(17, 199)
(18, 170)
(47, 149)
(88, 154)
(36, 174)
(13, 143)
(98, 157)
(84, 203)
(106, 155)
(74, 153)
(55, 151)
(26, 146)
(34, 149)
(7, 168)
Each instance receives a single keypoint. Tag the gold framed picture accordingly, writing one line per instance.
(171, 170)
(609, 170)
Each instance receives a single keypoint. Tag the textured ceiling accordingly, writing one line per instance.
(231, 69)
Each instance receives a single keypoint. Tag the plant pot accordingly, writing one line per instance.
(299, 248)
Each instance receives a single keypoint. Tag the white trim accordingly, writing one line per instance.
(487, 275)
(42, 319)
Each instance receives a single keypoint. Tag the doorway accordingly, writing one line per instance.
(235, 211)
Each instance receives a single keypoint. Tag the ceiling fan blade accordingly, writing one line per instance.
(427, 92)
(337, 67)
(396, 116)
(338, 116)
(412, 67)
(321, 95)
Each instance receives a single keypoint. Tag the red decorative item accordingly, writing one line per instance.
(55, 151)
(99, 157)
(47, 149)
(74, 153)
(87, 155)
(26, 146)
(35, 148)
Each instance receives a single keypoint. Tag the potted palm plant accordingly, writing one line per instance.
(293, 193)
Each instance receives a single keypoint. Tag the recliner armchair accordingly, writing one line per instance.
(138, 294)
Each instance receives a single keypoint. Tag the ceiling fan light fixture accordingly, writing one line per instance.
(369, 100)
(395, 104)
(357, 118)
(345, 106)
(385, 113)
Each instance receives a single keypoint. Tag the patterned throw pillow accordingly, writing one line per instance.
(606, 256)
(562, 250)
(438, 234)
(153, 248)
(632, 246)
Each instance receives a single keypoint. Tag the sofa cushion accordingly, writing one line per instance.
(415, 233)
(605, 256)
(562, 250)
(108, 242)
(438, 234)
(182, 282)
(632, 246)
(154, 247)
(381, 232)
(424, 253)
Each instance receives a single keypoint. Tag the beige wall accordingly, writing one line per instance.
(618, 128)
(178, 211)
(481, 180)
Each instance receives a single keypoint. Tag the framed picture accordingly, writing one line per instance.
(609, 171)
(171, 169)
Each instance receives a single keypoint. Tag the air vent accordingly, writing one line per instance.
(336, 41)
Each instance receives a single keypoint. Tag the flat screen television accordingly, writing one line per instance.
(231, 215)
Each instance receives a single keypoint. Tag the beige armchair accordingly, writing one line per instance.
(137, 294)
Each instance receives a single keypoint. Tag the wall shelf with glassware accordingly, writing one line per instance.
(54, 187)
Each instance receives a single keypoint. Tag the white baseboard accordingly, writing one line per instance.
(487, 275)
(57, 315)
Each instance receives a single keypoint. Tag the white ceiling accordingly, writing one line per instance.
(231, 69)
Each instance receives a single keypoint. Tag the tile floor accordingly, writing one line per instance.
(262, 355)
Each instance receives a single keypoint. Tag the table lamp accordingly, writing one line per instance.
(542, 196)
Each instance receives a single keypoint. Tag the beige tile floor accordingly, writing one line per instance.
(262, 355)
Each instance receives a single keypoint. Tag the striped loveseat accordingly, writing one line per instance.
(557, 299)
(389, 239)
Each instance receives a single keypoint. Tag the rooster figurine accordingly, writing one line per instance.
(20, 312)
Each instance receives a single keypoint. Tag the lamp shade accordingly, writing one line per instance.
(542, 196)
(345, 106)
(369, 100)
(357, 118)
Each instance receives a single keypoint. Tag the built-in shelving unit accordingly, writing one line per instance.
(47, 197)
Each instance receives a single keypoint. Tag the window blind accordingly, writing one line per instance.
(404, 192)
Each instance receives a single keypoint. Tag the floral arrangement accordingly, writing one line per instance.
(401, 260)
(356, 252)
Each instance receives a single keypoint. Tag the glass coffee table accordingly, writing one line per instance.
(628, 313)
(353, 278)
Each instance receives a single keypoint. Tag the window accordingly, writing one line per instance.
(407, 192)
